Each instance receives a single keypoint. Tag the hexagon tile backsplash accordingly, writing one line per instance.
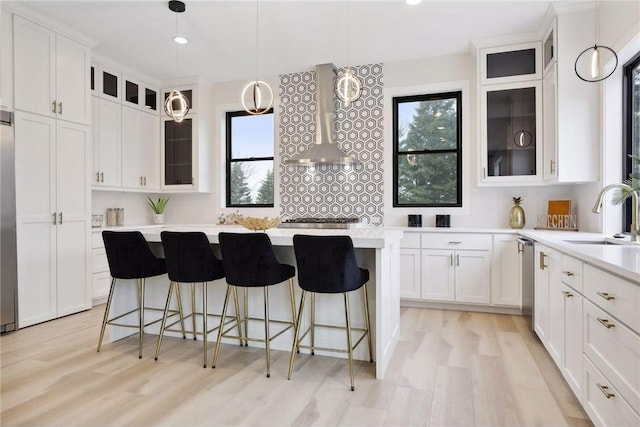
(333, 190)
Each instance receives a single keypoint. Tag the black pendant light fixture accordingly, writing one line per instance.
(589, 63)
(177, 104)
(259, 92)
(348, 86)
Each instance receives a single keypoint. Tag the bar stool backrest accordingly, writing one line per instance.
(327, 264)
(189, 257)
(130, 257)
(249, 260)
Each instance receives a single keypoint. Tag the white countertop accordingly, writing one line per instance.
(620, 259)
(471, 230)
(363, 237)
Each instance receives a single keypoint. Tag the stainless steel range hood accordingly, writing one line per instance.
(324, 150)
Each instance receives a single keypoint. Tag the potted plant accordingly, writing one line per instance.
(158, 209)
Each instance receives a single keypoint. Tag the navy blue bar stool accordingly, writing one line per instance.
(190, 260)
(328, 265)
(249, 262)
(130, 257)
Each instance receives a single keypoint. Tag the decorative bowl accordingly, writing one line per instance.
(255, 223)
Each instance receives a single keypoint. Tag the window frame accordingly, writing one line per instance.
(396, 100)
(627, 132)
(229, 115)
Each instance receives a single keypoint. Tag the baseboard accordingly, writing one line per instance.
(461, 307)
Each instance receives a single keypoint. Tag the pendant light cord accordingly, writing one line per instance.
(348, 35)
(597, 22)
(257, 39)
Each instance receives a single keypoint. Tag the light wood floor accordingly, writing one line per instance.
(450, 368)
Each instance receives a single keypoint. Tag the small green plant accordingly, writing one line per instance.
(159, 206)
(633, 183)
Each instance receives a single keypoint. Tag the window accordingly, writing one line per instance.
(631, 165)
(427, 150)
(250, 148)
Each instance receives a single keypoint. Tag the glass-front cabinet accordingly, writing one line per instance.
(511, 127)
(513, 63)
(178, 153)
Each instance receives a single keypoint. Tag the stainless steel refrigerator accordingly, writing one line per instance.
(8, 257)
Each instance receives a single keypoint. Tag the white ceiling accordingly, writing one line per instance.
(294, 35)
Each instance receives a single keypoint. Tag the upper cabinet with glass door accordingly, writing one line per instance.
(105, 82)
(511, 124)
(140, 95)
(508, 64)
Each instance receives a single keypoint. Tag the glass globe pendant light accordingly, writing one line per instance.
(589, 63)
(258, 92)
(177, 104)
(348, 86)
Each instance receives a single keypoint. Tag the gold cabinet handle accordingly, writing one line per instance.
(140, 180)
(606, 296)
(451, 259)
(542, 257)
(605, 390)
(53, 216)
(552, 166)
(567, 273)
(567, 294)
(605, 323)
(97, 176)
(145, 181)
(453, 242)
(457, 260)
(53, 107)
(60, 108)
(101, 176)
(60, 216)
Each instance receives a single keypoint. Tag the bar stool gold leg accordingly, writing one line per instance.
(350, 349)
(193, 310)
(238, 323)
(164, 321)
(267, 338)
(221, 328)
(368, 319)
(181, 312)
(141, 316)
(246, 317)
(105, 319)
(293, 303)
(313, 322)
(294, 347)
(204, 324)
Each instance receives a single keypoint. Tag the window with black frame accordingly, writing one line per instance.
(427, 150)
(631, 96)
(250, 146)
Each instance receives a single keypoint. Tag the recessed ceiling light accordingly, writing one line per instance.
(413, 2)
(180, 40)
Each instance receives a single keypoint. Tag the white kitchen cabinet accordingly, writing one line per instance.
(506, 282)
(456, 267)
(510, 63)
(140, 149)
(571, 106)
(510, 133)
(107, 135)
(52, 210)
(51, 73)
(547, 280)
(138, 94)
(6, 60)
(410, 264)
(101, 277)
(185, 159)
(571, 365)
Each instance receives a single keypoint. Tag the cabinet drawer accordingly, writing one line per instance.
(96, 239)
(615, 350)
(410, 240)
(572, 272)
(614, 295)
(603, 402)
(100, 264)
(456, 241)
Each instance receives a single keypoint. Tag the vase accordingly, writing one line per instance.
(158, 218)
(516, 217)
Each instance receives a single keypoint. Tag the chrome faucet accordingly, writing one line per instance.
(635, 227)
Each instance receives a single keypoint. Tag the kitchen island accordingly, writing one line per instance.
(377, 249)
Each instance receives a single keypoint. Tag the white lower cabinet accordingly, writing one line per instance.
(571, 366)
(438, 276)
(547, 279)
(52, 212)
(506, 277)
(410, 264)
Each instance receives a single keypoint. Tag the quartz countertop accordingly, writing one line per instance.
(621, 258)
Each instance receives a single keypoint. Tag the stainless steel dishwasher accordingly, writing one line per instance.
(527, 272)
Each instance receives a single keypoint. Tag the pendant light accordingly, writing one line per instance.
(589, 63)
(259, 92)
(348, 86)
(177, 105)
